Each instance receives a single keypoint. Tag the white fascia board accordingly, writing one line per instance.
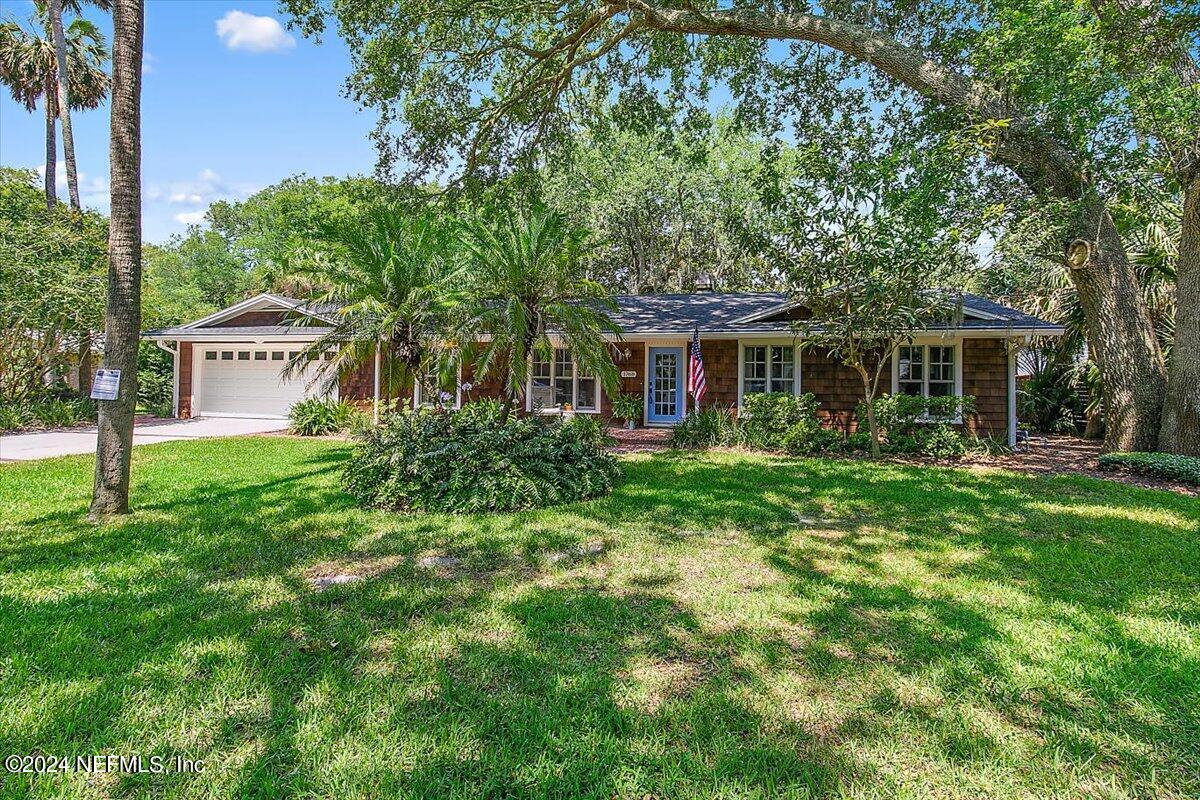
(259, 300)
(217, 336)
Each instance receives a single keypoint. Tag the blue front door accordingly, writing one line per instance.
(665, 385)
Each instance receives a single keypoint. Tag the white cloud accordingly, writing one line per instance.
(184, 197)
(242, 31)
(189, 217)
(149, 60)
(93, 189)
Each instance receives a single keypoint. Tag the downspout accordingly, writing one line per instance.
(174, 373)
(1012, 392)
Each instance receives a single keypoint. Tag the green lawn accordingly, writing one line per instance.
(756, 627)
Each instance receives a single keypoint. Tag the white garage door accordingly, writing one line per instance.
(241, 381)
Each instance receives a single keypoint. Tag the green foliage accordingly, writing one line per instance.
(321, 417)
(526, 281)
(810, 437)
(53, 267)
(709, 427)
(393, 277)
(775, 422)
(156, 379)
(627, 406)
(1049, 400)
(1185, 469)
(768, 421)
(46, 412)
(664, 208)
(475, 460)
(912, 424)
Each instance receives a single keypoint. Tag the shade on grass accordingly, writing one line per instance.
(755, 627)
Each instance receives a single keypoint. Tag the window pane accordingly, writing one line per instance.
(783, 369)
(754, 369)
(260, 355)
(293, 354)
(243, 355)
(211, 355)
(912, 365)
(540, 395)
(941, 371)
(277, 355)
(227, 355)
(564, 373)
(586, 400)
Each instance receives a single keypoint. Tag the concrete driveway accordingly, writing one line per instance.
(46, 444)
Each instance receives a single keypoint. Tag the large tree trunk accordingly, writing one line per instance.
(1120, 330)
(64, 105)
(1181, 411)
(1126, 350)
(1140, 26)
(51, 176)
(123, 312)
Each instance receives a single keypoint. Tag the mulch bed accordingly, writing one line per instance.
(1058, 455)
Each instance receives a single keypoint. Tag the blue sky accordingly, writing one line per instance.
(231, 103)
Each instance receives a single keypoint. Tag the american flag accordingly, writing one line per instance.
(696, 384)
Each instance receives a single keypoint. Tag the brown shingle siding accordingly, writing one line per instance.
(985, 377)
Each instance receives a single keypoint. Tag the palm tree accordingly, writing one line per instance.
(54, 13)
(29, 68)
(528, 288)
(391, 282)
(123, 309)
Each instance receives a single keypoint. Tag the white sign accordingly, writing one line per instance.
(628, 373)
(106, 384)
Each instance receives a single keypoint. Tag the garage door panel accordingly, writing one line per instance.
(252, 387)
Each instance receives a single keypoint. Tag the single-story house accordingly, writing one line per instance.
(229, 363)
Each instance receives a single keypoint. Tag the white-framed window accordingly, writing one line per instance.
(427, 388)
(928, 370)
(768, 367)
(559, 383)
(210, 355)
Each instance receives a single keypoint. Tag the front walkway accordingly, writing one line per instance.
(638, 440)
(75, 441)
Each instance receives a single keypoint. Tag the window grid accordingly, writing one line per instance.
(926, 370)
(768, 369)
(561, 382)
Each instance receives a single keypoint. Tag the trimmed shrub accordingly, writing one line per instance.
(916, 425)
(470, 461)
(709, 427)
(1185, 469)
(316, 417)
(768, 420)
(807, 439)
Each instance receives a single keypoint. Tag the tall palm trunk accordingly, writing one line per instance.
(51, 146)
(123, 312)
(64, 105)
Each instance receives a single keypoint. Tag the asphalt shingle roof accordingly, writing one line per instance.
(710, 312)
